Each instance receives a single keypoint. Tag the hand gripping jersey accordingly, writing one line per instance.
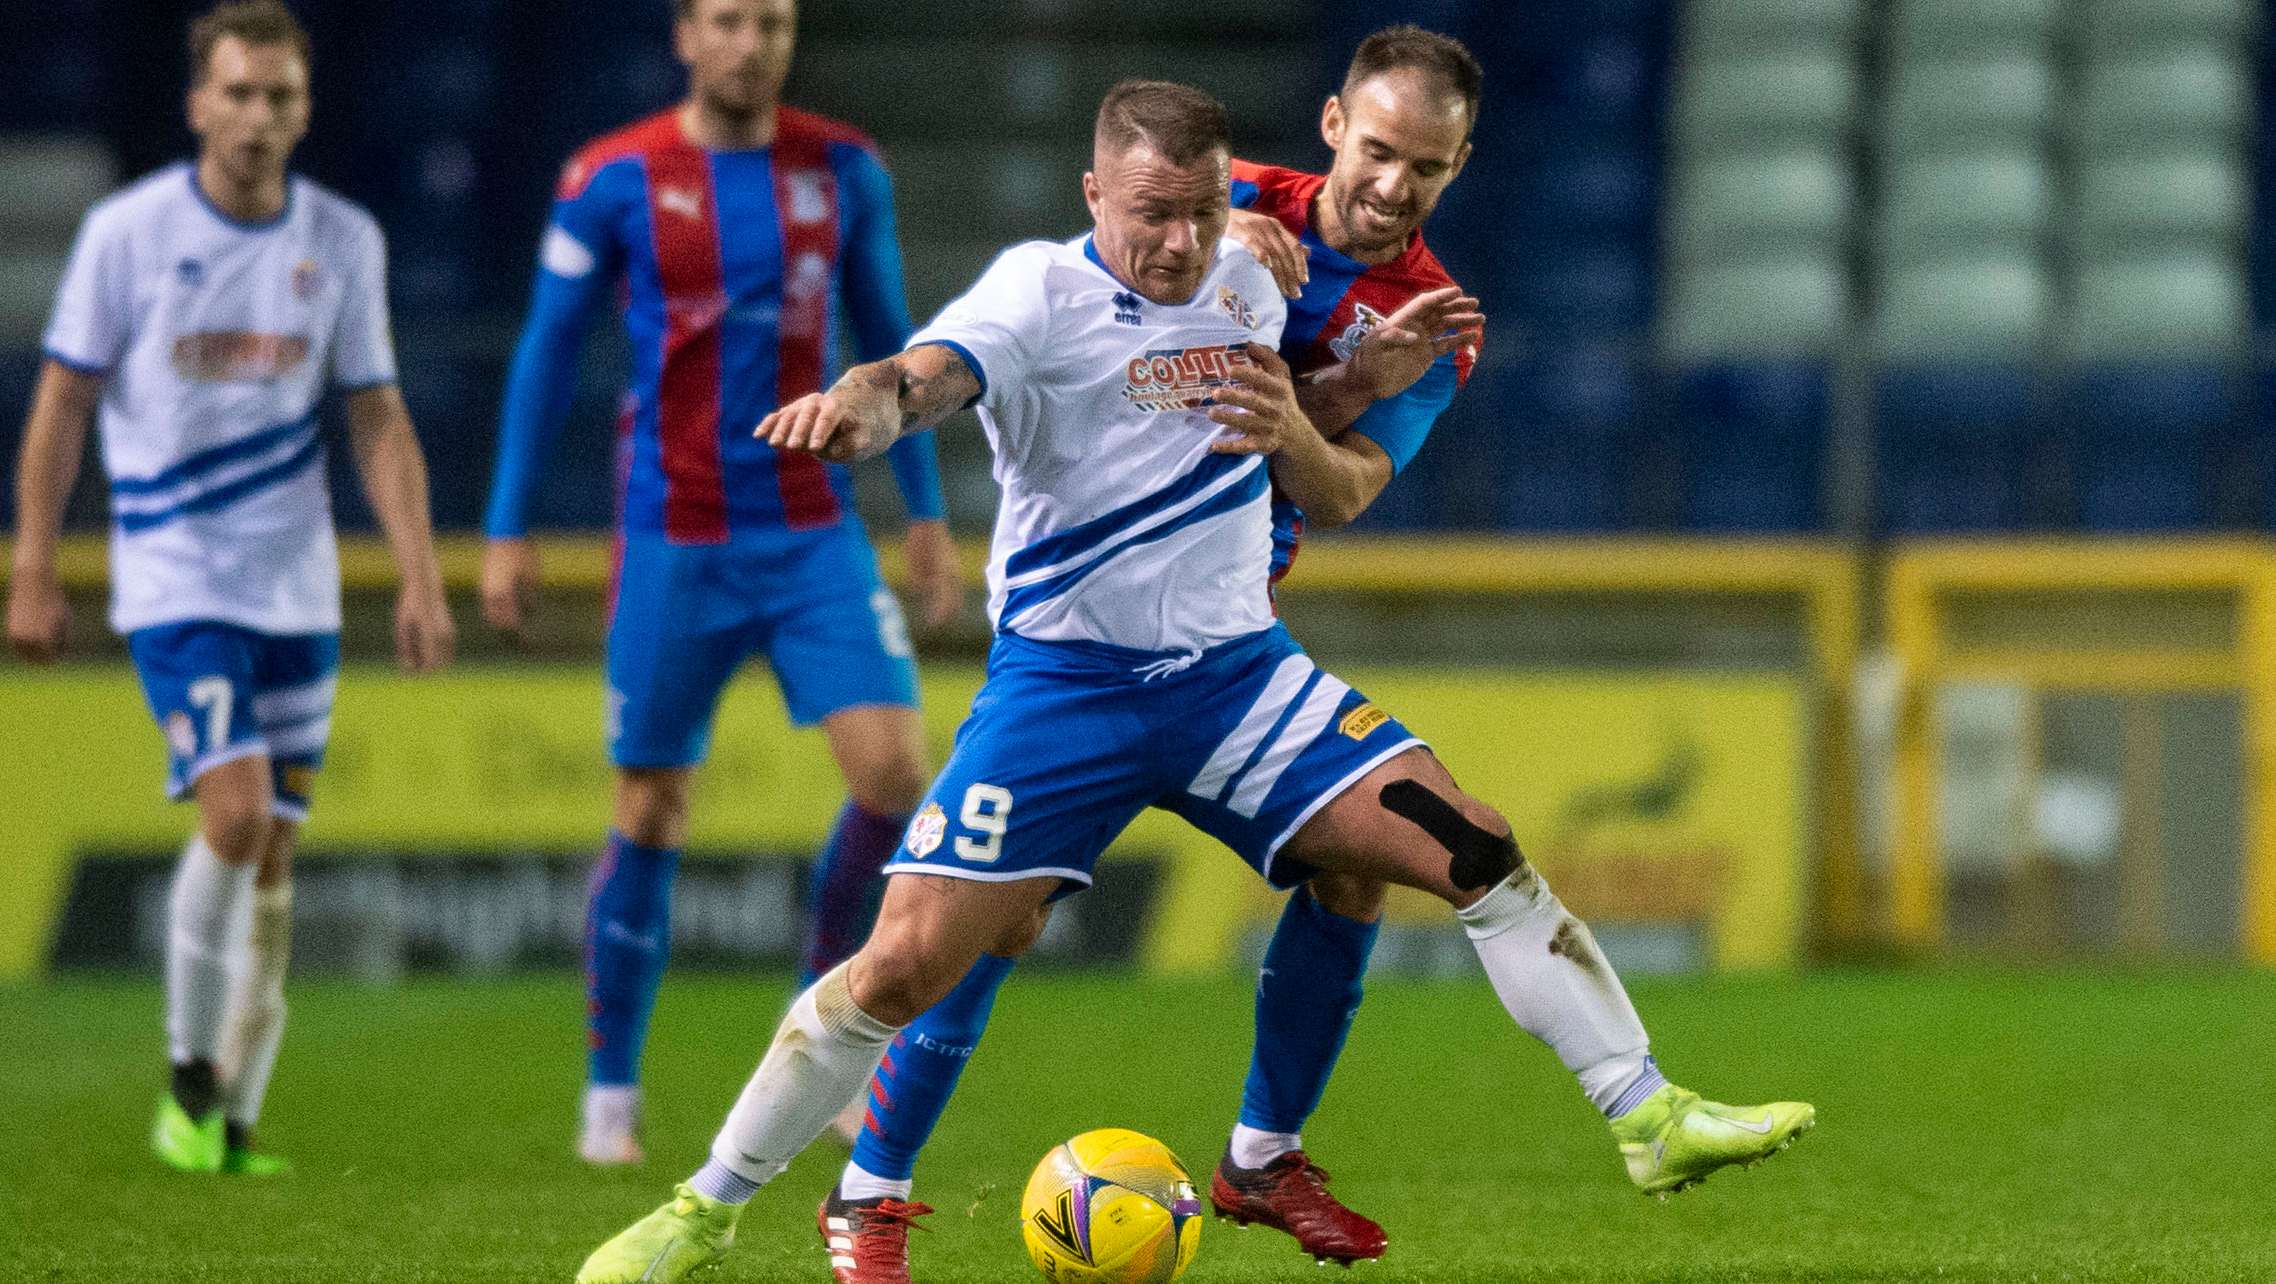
(733, 266)
(1340, 304)
(217, 339)
(1117, 524)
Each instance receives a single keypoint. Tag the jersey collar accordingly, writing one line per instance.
(1090, 251)
(235, 224)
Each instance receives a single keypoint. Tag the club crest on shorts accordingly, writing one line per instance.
(926, 831)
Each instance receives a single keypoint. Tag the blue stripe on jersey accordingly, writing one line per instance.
(223, 496)
(1075, 541)
(1250, 487)
(205, 461)
(753, 276)
(1332, 278)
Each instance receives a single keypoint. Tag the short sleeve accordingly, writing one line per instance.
(93, 320)
(1399, 424)
(999, 326)
(363, 350)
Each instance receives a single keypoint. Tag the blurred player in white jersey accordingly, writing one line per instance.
(207, 310)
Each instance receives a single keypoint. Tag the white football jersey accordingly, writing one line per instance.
(1117, 524)
(217, 339)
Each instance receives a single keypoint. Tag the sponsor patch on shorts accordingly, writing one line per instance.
(1361, 721)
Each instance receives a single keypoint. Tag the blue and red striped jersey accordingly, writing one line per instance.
(735, 271)
(1341, 302)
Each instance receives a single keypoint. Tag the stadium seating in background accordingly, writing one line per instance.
(2144, 438)
(1960, 448)
(1752, 445)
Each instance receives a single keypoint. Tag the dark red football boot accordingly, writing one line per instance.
(867, 1239)
(1291, 1194)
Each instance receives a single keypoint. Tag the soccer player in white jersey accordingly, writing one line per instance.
(1128, 386)
(207, 310)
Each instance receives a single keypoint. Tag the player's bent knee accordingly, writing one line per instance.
(890, 787)
(1352, 896)
(1021, 937)
(652, 805)
(1479, 856)
(895, 978)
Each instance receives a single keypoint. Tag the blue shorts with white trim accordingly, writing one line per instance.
(221, 692)
(1068, 741)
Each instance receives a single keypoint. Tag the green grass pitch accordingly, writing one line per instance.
(1973, 1127)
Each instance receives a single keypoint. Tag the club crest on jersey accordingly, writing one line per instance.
(190, 272)
(1126, 309)
(926, 831)
(1364, 319)
(683, 201)
(1182, 378)
(307, 280)
(809, 198)
(1230, 302)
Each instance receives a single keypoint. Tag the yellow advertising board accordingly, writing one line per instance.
(1646, 798)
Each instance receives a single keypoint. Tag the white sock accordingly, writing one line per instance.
(611, 1108)
(200, 912)
(823, 1052)
(858, 1183)
(1554, 980)
(1254, 1148)
(255, 1026)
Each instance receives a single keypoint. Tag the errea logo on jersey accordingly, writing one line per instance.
(1365, 319)
(1181, 378)
(683, 201)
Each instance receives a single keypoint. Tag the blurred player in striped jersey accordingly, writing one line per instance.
(1385, 339)
(735, 229)
(208, 309)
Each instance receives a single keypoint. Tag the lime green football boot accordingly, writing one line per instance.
(1675, 1138)
(685, 1235)
(239, 1159)
(185, 1144)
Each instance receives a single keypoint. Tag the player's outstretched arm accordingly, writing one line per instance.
(873, 405)
(46, 469)
(394, 473)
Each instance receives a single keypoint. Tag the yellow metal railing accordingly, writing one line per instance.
(1932, 588)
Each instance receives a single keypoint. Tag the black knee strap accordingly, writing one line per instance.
(1481, 857)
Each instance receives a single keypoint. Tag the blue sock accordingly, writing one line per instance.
(628, 935)
(920, 1070)
(1306, 997)
(841, 891)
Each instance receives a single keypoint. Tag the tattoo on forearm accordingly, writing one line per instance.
(929, 398)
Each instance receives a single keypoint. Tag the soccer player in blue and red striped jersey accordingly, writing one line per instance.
(735, 231)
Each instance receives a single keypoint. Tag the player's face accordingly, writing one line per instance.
(1156, 224)
(738, 52)
(251, 109)
(1399, 140)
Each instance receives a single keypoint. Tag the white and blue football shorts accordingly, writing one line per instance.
(221, 692)
(1068, 741)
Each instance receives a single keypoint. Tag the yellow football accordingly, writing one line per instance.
(1111, 1206)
